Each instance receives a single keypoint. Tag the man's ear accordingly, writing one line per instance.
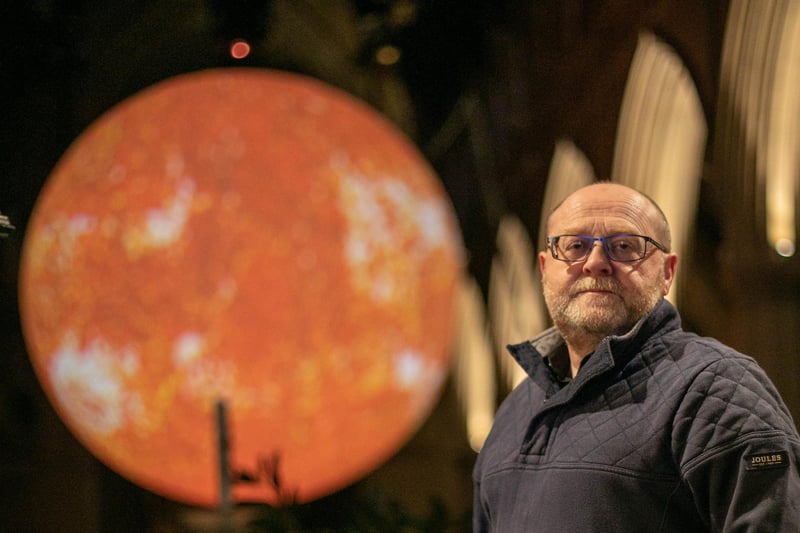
(670, 264)
(541, 257)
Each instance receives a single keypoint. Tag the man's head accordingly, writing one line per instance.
(594, 297)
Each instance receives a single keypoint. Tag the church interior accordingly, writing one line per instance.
(512, 104)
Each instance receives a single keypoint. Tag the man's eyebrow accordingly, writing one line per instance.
(615, 231)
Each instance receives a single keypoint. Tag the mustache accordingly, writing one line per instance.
(595, 284)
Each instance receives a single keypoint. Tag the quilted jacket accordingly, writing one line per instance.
(661, 430)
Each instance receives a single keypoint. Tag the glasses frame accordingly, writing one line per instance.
(552, 242)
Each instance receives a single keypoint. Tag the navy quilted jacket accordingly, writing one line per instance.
(661, 430)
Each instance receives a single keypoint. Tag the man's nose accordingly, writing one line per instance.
(597, 263)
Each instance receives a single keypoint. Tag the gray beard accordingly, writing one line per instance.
(580, 321)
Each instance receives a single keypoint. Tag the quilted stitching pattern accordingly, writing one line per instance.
(640, 417)
(626, 419)
(666, 428)
(729, 398)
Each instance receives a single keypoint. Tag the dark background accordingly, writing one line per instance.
(484, 88)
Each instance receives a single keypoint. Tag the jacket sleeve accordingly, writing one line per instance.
(738, 449)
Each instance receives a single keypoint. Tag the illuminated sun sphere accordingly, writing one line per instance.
(248, 236)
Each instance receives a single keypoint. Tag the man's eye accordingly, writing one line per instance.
(574, 244)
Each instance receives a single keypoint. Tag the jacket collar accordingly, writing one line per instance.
(613, 350)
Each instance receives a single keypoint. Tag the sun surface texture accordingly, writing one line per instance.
(251, 237)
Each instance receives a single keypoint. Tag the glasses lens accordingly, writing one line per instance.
(573, 247)
(626, 247)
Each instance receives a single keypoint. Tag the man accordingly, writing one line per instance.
(627, 423)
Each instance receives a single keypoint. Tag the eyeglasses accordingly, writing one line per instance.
(622, 248)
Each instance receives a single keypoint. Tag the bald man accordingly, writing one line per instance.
(626, 422)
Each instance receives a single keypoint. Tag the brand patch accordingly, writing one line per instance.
(761, 461)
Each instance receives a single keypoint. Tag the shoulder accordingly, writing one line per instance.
(699, 359)
(713, 368)
(728, 397)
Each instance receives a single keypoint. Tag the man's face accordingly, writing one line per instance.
(599, 297)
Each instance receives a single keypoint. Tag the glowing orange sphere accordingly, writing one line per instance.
(248, 236)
